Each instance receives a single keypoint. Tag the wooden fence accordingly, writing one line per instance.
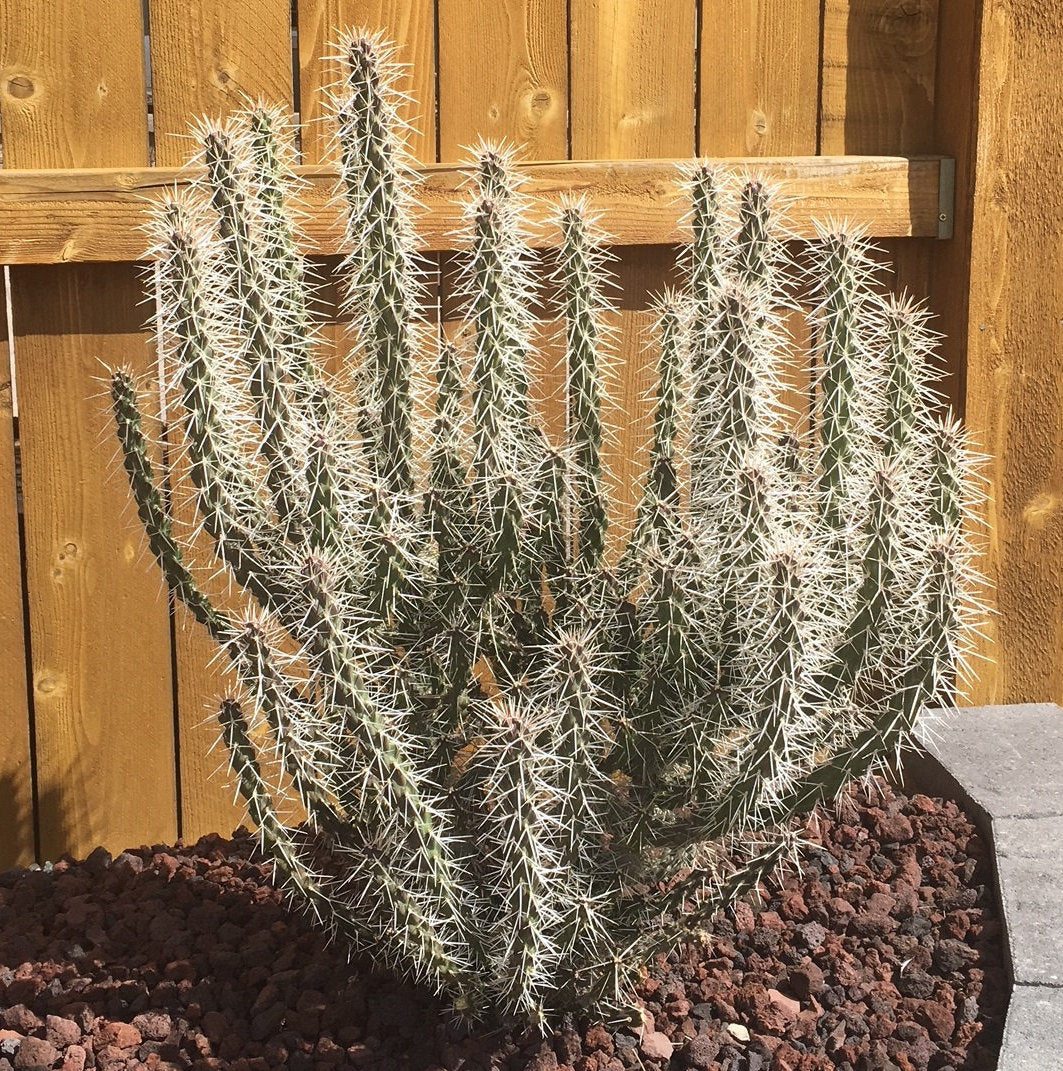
(103, 691)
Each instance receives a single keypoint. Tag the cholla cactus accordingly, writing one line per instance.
(507, 732)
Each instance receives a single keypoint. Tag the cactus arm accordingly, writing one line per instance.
(392, 570)
(757, 249)
(922, 673)
(388, 794)
(583, 277)
(383, 291)
(268, 364)
(243, 761)
(705, 272)
(844, 274)
(861, 643)
(710, 247)
(502, 496)
(285, 275)
(284, 267)
(159, 529)
(323, 508)
(690, 904)
(446, 507)
(304, 748)
(663, 480)
(920, 676)
(520, 829)
(909, 395)
(151, 508)
(450, 526)
(654, 555)
(227, 495)
(550, 513)
(891, 728)
(732, 416)
(399, 935)
(573, 673)
(657, 520)
(510, 457)
(949, 468)
(779, 696)
(506, 267)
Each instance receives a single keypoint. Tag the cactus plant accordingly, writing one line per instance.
(508, 728)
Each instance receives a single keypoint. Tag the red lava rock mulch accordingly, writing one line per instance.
(884, 954)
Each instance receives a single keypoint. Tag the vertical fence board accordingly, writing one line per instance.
(74, 96)
(956, 133)
(665, 126)
(502, 74)
(879, 63)
(16, 774)
(759, 77)
(1015, 333)
(209, 57)
(410, 24)
(242, 54)
(879, 68)
(631, 96)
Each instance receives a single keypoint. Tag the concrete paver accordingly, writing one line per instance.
(1032, 1036)
(1009, 759)
(1009, 762)
(1030, 867)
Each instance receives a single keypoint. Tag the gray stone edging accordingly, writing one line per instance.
(1005, 765)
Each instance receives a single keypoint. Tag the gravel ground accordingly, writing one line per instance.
(884, 954)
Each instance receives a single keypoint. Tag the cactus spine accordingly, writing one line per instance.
(504, 727)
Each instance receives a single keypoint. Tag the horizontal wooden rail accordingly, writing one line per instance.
(54, 217)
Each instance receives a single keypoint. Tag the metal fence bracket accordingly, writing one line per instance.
(947, 197)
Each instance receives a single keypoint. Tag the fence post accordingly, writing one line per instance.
(1014, 338)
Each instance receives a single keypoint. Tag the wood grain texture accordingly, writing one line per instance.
(410, 24)
(879, 65)
(98, 614)
(878, 83)
(503, 74)
(64, 216)
(633, 78)
(72, 94)
(1014, 373)
(72, 83)
(16, 772)
(208, 62)
(759, 77)
(209, 58)
(644, 38)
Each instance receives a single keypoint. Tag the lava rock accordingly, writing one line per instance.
(61, 1032)
(701, 1052)
(952, 956)
(656, 1046)
(193, 964)
(35, 1054)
